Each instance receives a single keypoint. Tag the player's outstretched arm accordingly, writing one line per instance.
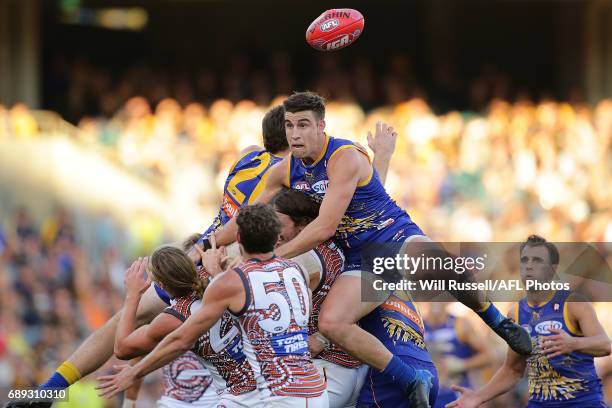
(129, 341)
(218, 297)
(274, 182)
(482, 355)
(506, 377)
(383, 146)
(96, 349)
(345, 170)
(582, 316)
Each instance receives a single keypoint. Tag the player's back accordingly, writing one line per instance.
(332, 261)
(244, 183)
(220, 349)
(274, 322)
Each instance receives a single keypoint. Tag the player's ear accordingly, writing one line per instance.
(321, 125)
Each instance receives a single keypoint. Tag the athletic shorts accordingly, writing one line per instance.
(294, 402)
(343, 383)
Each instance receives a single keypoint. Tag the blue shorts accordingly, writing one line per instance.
(380, 392)
(394, 234)
(568, 403)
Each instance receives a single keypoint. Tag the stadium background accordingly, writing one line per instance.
(117, 127)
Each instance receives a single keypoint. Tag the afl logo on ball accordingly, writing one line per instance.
(329, 25)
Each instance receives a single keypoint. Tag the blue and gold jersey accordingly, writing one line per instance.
(372, 215)
(399, 326)
(244, 183)
(444, 340)
(565, 379)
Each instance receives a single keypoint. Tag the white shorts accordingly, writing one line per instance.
(208, 400)
(295, 402)
(343, 384)
(248, 400)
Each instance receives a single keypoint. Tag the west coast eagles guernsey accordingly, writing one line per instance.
(565, 379)
(372, 215)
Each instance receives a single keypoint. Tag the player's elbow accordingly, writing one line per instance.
(607, 348)
(124, 352)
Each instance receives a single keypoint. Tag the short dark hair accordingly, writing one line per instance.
(297, 205)
(258, 227)
(535, 241)
(305, 101)
(273, 129)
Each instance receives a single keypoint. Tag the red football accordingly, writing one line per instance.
(335, 29)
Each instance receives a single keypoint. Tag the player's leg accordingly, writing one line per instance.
(342, 309)
(98, 347)
(516, 337)
(341, 383)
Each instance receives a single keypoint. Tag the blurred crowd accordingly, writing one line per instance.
(518, 168)
(51, 297)
(77, 86)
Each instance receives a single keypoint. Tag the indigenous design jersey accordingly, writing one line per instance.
(220, 349)
(186, 379)
(399, 326)
(332, 260)
(244, 183)
(444, 340)
(568, 377)
(274, 323)
(372, 215)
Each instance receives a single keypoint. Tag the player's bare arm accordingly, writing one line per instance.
(506, 377)
(482, 355)
(594, 340)
(226, 291)
(345, 170)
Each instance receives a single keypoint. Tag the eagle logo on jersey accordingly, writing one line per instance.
(396, 329)
(544, 381)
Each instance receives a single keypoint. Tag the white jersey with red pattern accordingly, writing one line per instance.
(332, 261)
(186, 379)
(220, 349)
(274, 323)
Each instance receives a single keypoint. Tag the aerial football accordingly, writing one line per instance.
(335, 29)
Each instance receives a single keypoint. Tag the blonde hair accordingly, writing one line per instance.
(176, 272)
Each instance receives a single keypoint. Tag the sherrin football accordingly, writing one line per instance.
(335, 29)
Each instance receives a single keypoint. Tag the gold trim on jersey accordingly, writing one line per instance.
(570, 326)
(361, 150)
(322, 154)
(288, 176)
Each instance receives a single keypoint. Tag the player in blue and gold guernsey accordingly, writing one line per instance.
(356, 210)
(455, 349)
(566, 335)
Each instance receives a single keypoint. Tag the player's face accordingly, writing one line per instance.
(305, 134)
(288, 229)
(535, 264)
